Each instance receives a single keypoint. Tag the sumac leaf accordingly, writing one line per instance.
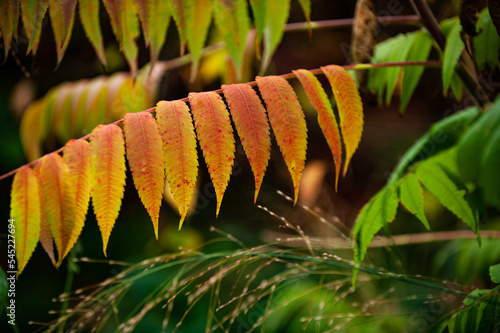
(145, 158)
(249, 117)
(107, 176)
(216, 138)
(179, 147)
(288, 124)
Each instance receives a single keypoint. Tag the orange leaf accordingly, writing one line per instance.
(326, 118)
(288, 123)
(179, 146)
(45, 235)
(77, 155)
(107, 176)
(349, 106)
(215, 134)
(250, 119)
(145, 157)
(58, 202)
(25, 211)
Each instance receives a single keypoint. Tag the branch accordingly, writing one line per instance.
(318, 71)
(337, 243)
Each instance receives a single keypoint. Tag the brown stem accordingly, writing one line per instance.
(379, 241)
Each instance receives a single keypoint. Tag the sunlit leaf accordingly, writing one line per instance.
(259, 9)
(349, 106)
(288, 124)
(249, 117)
(58, 201)
(107, 176)
(77, 156)
(25, 211)
(326, 117)
(179, 147)
(215, 135)
(145, 158)
(45, 234)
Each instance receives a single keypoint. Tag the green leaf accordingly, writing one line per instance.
(385, 79)
(89, 17)
(392, 73)
(379, 211)
(159, 18)
(441, 135)
(452, 52)
(259, 9)
(33, 12)
(306, 8)
(198, 18)
(435, 179)
(232, 19)
(61, 27)
(472, 144)
(275, 24)
(178, 8)
(495, 273)
(412, 197)
(489, 175)
(123, 15)
(486, 43)
(456, 86)
(419, 51)
(6, 26)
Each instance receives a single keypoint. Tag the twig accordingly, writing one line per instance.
(335, 243)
